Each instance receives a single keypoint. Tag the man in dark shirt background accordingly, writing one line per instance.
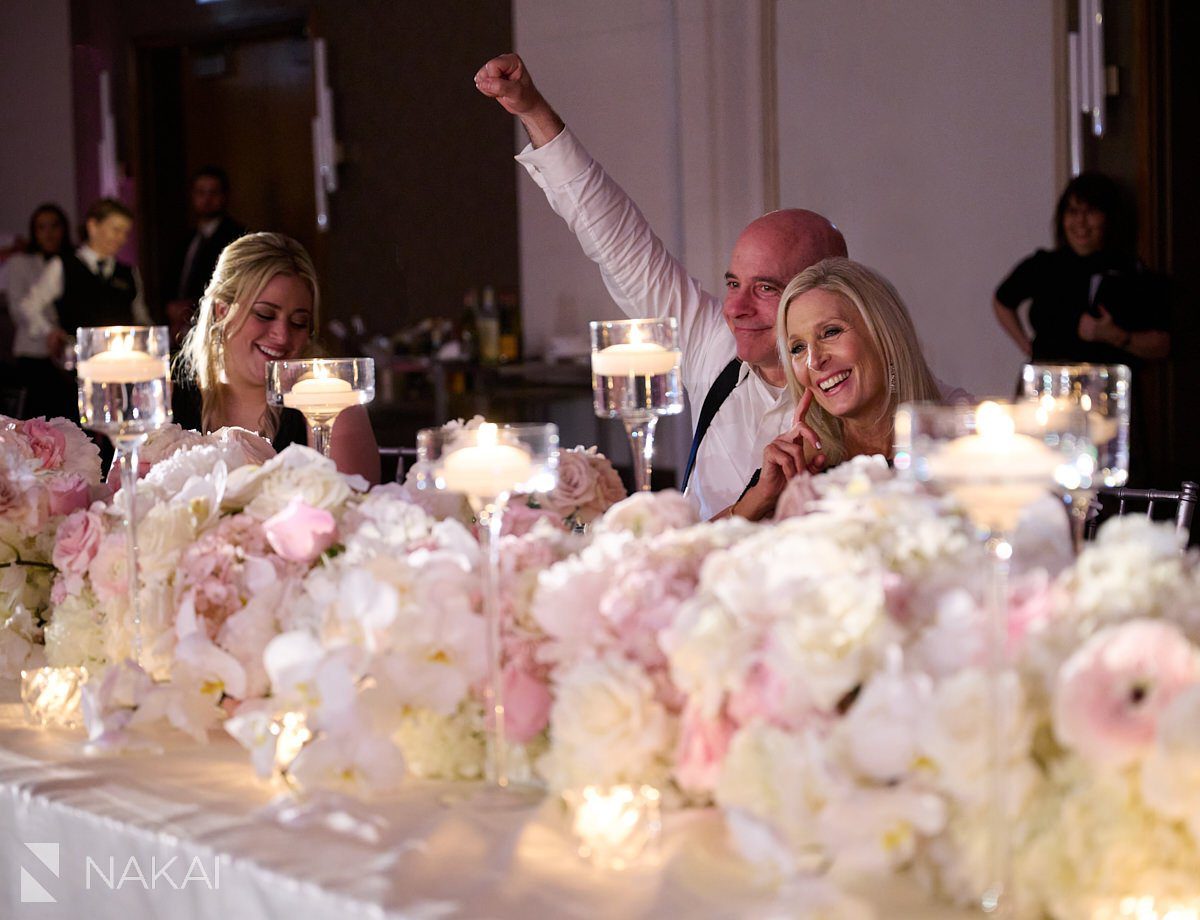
(215, 230)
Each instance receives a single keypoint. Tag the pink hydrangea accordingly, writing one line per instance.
(1109, 695)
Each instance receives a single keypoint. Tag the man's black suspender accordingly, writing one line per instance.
(717, 394)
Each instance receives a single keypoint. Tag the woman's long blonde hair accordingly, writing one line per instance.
(245, 267)
(890, 332)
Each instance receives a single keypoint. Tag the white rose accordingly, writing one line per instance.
(298, 472)
(162, 535)
(648, 513)
(606, 727)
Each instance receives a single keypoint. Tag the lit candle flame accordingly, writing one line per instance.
(488, 435)
(993, 422)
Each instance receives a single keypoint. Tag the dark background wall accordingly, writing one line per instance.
(427, 201)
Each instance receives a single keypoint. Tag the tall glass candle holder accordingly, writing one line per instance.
(1103, 392)
(321, 388)
(995, 458)
(488, 465)
(125, 393)
(635, 377)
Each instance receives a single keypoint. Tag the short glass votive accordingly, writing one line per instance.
(52, 697)
(616, 825)
(636, 378)
(321, 388)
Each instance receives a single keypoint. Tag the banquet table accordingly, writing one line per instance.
(241, 852)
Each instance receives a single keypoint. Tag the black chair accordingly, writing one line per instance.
(12, 401)
(1183, 502)
(396, 461)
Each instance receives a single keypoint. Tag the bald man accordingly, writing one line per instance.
(731, 365)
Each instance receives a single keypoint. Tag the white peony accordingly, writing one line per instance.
(606, 727)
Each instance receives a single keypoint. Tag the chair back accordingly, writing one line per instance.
(1183, 503)
(396, 461)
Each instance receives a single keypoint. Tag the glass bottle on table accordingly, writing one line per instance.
(487, 325)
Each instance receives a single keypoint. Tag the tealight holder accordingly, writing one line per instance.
(1103, 392)
(635, 377)
(616, 826)
(125, 393)
(321, 388)
(994, 459)
(488, 465)
(52, 697)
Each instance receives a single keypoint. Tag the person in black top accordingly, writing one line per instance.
(1091, 299)
(260, 305)
(215, 230)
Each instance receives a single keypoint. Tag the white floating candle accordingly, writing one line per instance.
(996, 472)
(634, 358)
(320, 393)
(122, 366)
(486, 469)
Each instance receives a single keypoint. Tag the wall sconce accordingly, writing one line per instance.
(1086, 78)
(106, 147)
(324, 143)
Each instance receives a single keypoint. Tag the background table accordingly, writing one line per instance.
(435, 855)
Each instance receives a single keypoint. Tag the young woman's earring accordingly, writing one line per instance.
(892, 378)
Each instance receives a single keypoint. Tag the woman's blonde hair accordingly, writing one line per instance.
(245, 267)
(890, 333)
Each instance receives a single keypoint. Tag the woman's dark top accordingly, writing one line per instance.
(186, 405)
(1063, 285)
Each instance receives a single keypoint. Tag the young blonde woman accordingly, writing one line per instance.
(260, 305)
(851, 356)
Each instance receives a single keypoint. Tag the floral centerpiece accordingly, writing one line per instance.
(48, 470)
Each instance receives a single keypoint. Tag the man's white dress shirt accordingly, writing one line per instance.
(645, 280)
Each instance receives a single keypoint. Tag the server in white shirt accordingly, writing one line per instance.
(37, 376)
(731, 367)
(87, 287)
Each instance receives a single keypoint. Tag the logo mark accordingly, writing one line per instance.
(32, 891)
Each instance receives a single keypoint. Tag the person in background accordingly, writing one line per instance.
(731, 369)
(260, 305)
(850, 354)
(84, 287)
(43, 382)
(1091, 299)
(214, 230)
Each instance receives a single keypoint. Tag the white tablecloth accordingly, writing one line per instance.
(435, 856)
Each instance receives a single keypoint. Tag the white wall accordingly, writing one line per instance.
(37, 158)
(926, 131)
(635, 81)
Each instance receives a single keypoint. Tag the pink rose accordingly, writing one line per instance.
(576, 482)
(519, 519)
(77, 541)
(609, 487)
(526, 705)
(47, 443)
(1110, 693)
(703, 744)
(67, 493)
(300, 532)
